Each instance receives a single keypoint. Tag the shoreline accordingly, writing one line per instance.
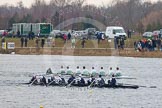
(127, 52)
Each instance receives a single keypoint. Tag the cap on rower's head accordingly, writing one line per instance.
(61, 66)
(101, 67)
(110, 68)
(117, 68)
(77, 67)
(83, 67)
(92, 67)
(99, 75)
(67, 67)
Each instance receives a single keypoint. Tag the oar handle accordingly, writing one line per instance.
(70, 83)
(91, 84)
(32, 82)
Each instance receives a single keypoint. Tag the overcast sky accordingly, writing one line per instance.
(27, 3)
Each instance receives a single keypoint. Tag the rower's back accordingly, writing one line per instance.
(69, 71)
(85, 72)
(102, 72)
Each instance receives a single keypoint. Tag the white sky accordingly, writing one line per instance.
(27, 3)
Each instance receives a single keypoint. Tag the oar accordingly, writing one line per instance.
(70, 83)
(50, 83)
(139, 85)
(32, 82)
(91, 84)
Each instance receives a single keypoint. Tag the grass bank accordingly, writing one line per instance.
(92, 48)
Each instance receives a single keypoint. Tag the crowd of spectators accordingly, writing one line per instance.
(148, 44)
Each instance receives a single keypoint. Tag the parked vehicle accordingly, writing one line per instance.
(147, 34)
(160, 34)
(90, 32)
(115, 31)
(55, 33)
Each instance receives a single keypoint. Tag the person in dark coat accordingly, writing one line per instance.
(42, 42)
(26, 41)
(22, 41)
(69, 36)
(18, 33)
(122, 43)
(83, 42)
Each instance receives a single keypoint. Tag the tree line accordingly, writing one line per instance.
(130, 14)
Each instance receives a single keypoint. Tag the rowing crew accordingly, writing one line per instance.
(86, 72)
(59, 80)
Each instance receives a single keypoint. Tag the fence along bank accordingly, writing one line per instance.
(43, 29)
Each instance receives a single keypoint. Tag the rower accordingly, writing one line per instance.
(62, 70)
(110, 72)
(33, 80)
(91, 80)
(113, 81)
(101, 81)
(69, 71)
(85, 72)
(43, 80)
(78, 71)
(51, 80)
(102, 72)
(49, 71)
(81, 81)
(94, 72)
(59, 79)
(118, 72)
(71, 79)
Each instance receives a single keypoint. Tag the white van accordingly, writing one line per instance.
(113, 31)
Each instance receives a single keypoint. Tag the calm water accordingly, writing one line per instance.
(15, 69)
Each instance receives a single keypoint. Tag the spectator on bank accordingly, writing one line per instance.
(37, 42)
(4, 33)
(53, 42)
(115, 42)
(129, 33)
(65, 38)
(22, 41)
(42, 42)
(69, 36)
(3, 40)
(49, 39)
(83, 42)
(161, 45)
(135, 45)
(73, 41)
(38, 34)
(122, 42)
(98, 37)
(26, 41)
(30, 35)
(18, 33)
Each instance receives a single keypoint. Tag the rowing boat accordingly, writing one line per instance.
(86, 85)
